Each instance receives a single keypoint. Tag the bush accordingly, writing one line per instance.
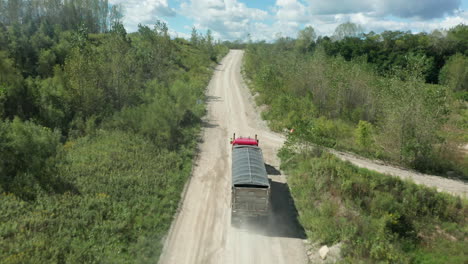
(26, 153)
(455, 73)
(364, 135)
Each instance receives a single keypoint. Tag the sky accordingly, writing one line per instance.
(269, 19)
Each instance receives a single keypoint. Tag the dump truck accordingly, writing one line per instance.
(250, 187)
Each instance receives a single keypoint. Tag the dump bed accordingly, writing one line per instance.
(250, 184)
(248, 168)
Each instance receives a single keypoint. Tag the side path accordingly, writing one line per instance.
(455, 187)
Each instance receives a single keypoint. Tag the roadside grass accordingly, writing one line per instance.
(378, 218)
(124, 194)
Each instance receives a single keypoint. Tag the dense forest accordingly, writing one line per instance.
(393, 96)
(371, 94)
(97, 131)
(390, 49)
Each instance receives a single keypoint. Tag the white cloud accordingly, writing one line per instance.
(331, 7)
(325, 25)
(288, 15)
(228, 19)
(421, 9)
(143, 12)
(291, 10)
(176, 34)
(378, 25)
(374, 15)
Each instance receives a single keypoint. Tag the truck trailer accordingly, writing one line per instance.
(250, 187)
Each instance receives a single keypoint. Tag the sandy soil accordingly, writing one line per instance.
(202, 231)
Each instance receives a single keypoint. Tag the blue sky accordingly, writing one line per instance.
(265, 20)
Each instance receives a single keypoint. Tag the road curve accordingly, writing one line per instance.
(201, 232)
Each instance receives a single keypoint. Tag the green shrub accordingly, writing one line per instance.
(364, 135)
(26, 150)
(455, 73)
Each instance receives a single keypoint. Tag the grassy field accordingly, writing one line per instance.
(122, 194)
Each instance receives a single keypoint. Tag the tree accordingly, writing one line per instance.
(85, 82)
(194, 37)
(115, 15)
(210, 45)
(161, 29)
(54, 101)
(45, 63)
(347, 30)
(120, 67)
(459, 36)
(413, 113)
(305, 39)
(455, 73)
(12, 91)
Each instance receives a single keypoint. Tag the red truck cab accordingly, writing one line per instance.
(244, 141)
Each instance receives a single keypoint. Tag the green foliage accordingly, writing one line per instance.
(413, 115)
(96, 15)
(347, 30)
(390, 48)
(46, 62)
(54, 101)
(455, 73)
(127, 106)
(325, 98)
(125, 192)
(305, 39)
(364, 135)
(26, 150)
(11, 85)
(376, 217)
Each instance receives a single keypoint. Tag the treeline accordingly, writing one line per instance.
(96, 15)
(389, 49)
(97, 132)
(349, 105)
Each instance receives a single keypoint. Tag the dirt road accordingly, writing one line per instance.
(202, 231)
(454, 187)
